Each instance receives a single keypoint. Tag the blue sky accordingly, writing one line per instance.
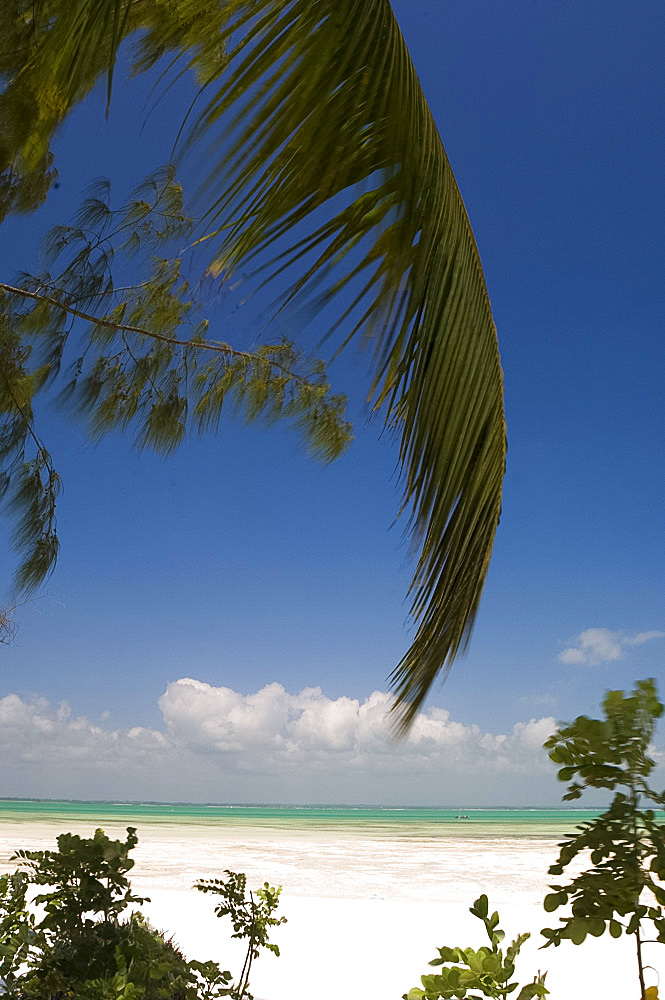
(239, 563)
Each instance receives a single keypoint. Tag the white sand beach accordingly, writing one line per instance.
(365, 912)
(378, 949)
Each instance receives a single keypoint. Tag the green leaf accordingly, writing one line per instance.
(576, 931)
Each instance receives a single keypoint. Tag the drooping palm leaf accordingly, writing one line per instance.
(321, 97)
(327, 134)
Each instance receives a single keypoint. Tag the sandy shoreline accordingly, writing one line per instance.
(378, 949)
(310, 863)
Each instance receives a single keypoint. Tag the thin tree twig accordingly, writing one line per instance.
(207, 345)
(247, 967)
(7, 625)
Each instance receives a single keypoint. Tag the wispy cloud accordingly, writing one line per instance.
(600, 645)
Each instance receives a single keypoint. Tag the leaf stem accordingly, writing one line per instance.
(640, 967)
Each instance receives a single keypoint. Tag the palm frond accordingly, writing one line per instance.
(318, 126)
(321, 100)
(83, 32)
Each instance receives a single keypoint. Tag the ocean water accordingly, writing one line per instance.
(390, 821)
(338, 852)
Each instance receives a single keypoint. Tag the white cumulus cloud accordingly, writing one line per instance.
(274, 731)
(33, 730)
(217, 744)
(594, 646)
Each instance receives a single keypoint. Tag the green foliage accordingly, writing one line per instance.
(84, 876)
(81, 949)
(127, 960)
(16, 926)
(624, 884)
(135, 356)
(488, 970)
(26, 163)
(251, 915)
(53, 52)
(28, 480)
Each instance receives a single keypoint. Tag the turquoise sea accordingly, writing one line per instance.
(333, 851)
(389, 821)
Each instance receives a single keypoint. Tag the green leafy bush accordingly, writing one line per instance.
(252, 916)
(81, 949)
(488, 970)
(624, 885)
(16, 926)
